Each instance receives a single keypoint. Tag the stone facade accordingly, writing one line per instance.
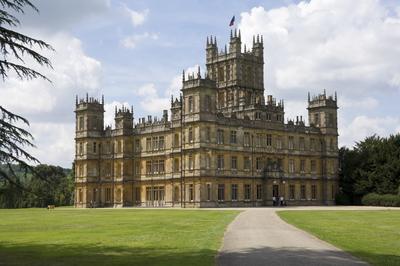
(222, 145)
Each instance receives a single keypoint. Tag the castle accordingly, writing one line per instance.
(223, 144)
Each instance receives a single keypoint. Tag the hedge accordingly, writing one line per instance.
(389, 200)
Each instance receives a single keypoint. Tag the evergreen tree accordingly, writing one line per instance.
(14, 47)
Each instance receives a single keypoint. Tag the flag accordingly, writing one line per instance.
(232, 21)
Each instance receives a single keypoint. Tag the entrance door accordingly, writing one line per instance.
(275, 191)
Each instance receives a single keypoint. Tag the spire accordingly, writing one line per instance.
(172, 99)
(231, 33)
(244, 47)
(183, 75)
(308, 96)
(239, 35)
(262, 41)
(132, 110)
(87, 97)
(254, 40)
(115, 110)
(102, 99)
(198, 72)
(235, 35)
(76, 99)
(215, 40)
(335, 96)
(258, 38)
(226, 50)
(207, 41)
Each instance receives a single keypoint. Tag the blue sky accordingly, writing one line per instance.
(133, 52)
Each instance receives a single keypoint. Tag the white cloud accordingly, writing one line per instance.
(346, 45)
(364, 126)
(133, 40)
(339, 45)
(137, 17)
(49, 106)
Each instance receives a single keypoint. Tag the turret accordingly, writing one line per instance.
(211, 48)
(124, 119)
(322, 113)
(235, 44)
(258, 46)
(89, 116)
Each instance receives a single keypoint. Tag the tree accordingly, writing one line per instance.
(14, 47)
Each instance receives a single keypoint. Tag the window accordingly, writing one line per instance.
(191, 192)
(221, 192)
(155, 143)
(279, 142)
(161, 166)
(81, 123)
(303, 192)
(208, 134)
(108, 194)
(331, 146)
(247, 192)
(246, 160)
(176, 165)
(161, 143)
(233, 137)
(154, 167)
(268, 117)
(278, 117)
(220, 136)
(221, 74)
(258, 140)
(259, 191)
(234, 163)
(246, 139)
(207, 104)
(234, 191)
(258, 115)
(80, 196)
(269, 140)
(94, 147)
(301, 144)
(148, 194)
(80, 148)
(191, 162)
(259, 163)
(191, 109)
(208, 192)
(190, 135)
(137, 194)
(312, 144)
(291, 166)
(208, 161)
(302, 166)
(279, 163)
(331, 121)
(313, 166)
(148, 167)
(176, 140)
(291, 192)
(119, 149)
(137, 145)
(220, 162)
(228, 72)
(313, 192)
(316, 119)
(291, 143)
(148, 144)
(137, 168)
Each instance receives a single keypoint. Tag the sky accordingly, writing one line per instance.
(134, 52)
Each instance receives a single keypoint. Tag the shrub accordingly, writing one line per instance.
(388, 200)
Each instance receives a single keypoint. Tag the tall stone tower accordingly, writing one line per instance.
(238, 73)
(322, 113)
(88, 135)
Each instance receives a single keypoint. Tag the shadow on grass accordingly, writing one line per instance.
(40, 254)
(299, 256)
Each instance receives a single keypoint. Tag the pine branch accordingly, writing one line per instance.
(22, 71)
(17, 5)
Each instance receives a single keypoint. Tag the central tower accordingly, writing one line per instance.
(238, 73)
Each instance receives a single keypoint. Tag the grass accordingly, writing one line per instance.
(111, 237)
(373, 236)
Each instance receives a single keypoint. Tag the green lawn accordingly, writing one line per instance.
(373, 236)
(111, 237)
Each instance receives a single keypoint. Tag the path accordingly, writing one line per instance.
(259, 237)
